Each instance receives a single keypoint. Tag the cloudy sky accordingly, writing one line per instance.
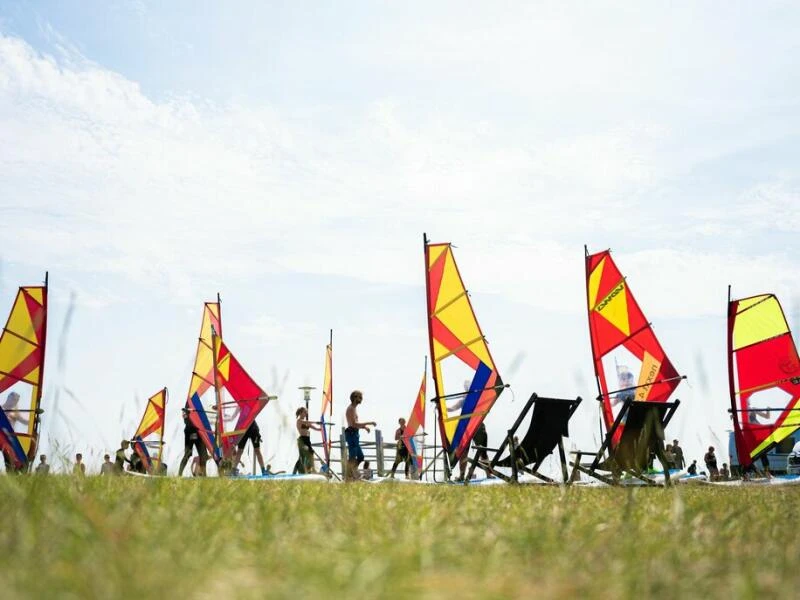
(290, 155)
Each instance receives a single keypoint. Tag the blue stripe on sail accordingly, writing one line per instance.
(482, 374)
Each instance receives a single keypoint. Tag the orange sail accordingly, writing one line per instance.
(327, 402)
(459, 353)
(148, 441)
(764, 374)
(200, 398)
(22, 353)
(416, 422)
(629, 362)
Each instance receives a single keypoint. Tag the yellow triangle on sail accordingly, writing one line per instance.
(614, 308)
(594, 282)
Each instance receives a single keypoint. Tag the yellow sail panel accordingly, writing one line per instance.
(22, 351)
(759, 318)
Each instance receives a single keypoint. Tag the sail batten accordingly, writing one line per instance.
(764, 376)
(458, 348)
(624, 346)
(22, 354)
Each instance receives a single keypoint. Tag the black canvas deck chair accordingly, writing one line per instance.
(642, 439)
(547, 430)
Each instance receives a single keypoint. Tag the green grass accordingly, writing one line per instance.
(64, 537)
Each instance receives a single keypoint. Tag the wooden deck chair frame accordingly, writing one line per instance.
(654, 416)
(517, 456)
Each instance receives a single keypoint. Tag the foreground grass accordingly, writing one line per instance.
(64, 537)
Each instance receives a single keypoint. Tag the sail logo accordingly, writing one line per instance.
(650, 368)
(614, 293)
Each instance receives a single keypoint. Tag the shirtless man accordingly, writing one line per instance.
(354, 452)
(304, 427)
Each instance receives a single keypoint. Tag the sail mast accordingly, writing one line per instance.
(436, 385)
(219, 425)
(163, 426)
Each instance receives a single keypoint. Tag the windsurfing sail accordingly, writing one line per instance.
(459, 353)
(415, 422)
(764, 376)
(247, 398)
(629, 362)
(327, 403)
(22, 351)
(201, 387)
(148, 441)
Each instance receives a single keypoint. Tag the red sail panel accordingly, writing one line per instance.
(764, 376)
(629, 361)
(247, 398)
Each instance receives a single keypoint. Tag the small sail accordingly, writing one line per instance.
(629, 362)
(327, 402)
(459, 353)
(22, 351)
(247, 399)
(764, 375)
(415, 422)
(201, 387)
(148, 441)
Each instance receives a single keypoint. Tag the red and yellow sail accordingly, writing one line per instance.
(148, 441)
(415, 422)
(327, 402)
(22, 352)
(459, 353)
(764, 376)
(247, 398)
(629, 362)
(201, 387)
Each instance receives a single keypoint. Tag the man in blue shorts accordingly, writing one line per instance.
(354, 453)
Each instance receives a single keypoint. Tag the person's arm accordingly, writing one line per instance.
(310, 424)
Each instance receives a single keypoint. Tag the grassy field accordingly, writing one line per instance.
(66, 537)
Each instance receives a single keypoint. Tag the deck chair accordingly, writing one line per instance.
(548, 426)
(642, 438)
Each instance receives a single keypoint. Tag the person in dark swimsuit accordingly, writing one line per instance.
(253, 434)
(401, 452)
(305, 464)
(191, 439)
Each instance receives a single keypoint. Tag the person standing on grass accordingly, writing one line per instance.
(680, 462)
(305, 463)
(119, 457)
(711, 464)
(401, 451)
(79, 468)
(355, 455)
(42, 468)
(107, 468)
(669, 457)
(191, 439)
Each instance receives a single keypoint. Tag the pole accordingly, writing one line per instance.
(219, 425)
